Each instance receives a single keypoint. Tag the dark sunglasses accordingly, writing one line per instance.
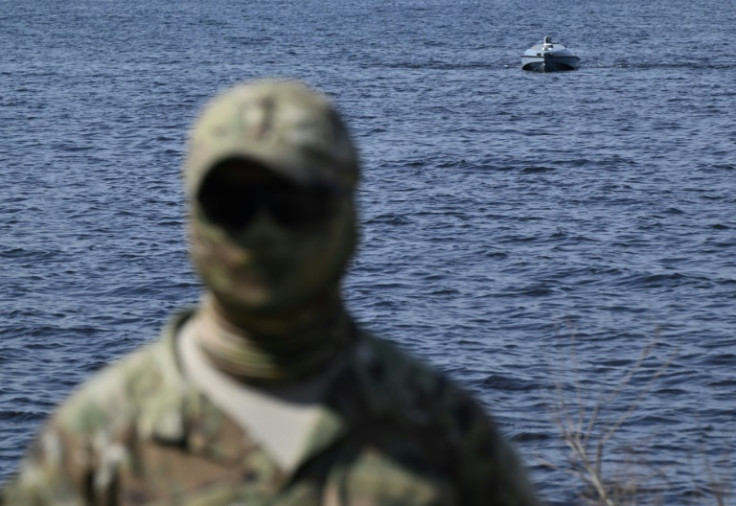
(234, 205)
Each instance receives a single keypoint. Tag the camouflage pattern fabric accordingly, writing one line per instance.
(282, 124)
(392, 432)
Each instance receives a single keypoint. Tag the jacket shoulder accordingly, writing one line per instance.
(146, 382)
(74, 456)
(115, 393)
(452, 425)
(409, 391)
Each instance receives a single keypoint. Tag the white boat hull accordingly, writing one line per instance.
(549, 57)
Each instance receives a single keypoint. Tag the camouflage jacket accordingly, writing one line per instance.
(391, 432)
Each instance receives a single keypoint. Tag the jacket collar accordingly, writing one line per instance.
(178, 414)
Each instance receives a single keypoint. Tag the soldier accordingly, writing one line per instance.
(267, 392)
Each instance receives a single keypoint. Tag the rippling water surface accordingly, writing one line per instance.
(527, 233)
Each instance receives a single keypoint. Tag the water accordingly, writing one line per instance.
(522, 232)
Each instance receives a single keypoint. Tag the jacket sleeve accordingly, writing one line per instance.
(491, 471)
(75, 459)
(55, 471)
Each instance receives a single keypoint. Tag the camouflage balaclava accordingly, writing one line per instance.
(273, 309)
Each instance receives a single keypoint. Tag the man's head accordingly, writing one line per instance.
(270, 174)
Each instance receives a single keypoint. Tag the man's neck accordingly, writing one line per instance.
(273, 348)
(279, 322)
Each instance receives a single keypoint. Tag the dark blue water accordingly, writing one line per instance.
(526, 233)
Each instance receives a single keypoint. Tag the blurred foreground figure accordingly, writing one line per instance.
(268, 393)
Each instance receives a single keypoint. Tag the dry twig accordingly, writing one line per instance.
(587, 434)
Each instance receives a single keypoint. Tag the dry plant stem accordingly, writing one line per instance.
(620, 387)
(716, 483)
(616, 425)
(572, 432)
(592, 474)
(578, 434)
